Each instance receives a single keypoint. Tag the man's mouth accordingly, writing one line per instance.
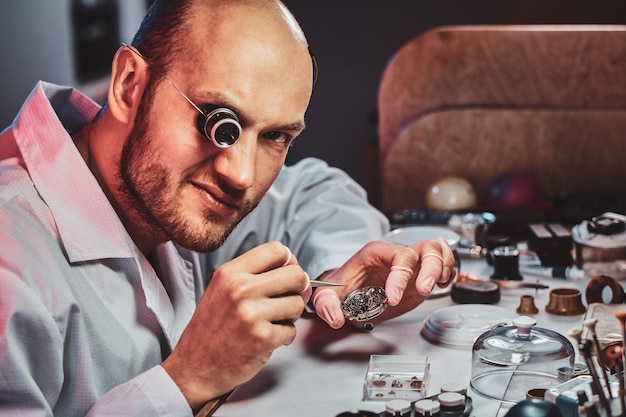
(215, 198)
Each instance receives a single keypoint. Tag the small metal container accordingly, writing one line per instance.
(599, 252)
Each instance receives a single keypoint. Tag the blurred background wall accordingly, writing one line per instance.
(69, 42)
(72, 42)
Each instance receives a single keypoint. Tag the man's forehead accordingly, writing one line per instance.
(222, 22)
(240, 44)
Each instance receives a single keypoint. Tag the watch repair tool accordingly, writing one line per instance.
(597, 288)
(565, 302)
(475, 292)
(621, 316)
(506, 263)
(612, 356)
(606, 225)
(316, 283)
(600, 246)
(527, 306)
(596, 386)
(363, 304)
(590, 324)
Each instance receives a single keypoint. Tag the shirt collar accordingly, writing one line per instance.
(87, 224)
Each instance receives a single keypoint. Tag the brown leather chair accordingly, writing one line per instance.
(477, 101)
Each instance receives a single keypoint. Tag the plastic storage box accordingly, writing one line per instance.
(396, 376)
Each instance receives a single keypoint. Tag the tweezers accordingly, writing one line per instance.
(316, 283)
(520, 284)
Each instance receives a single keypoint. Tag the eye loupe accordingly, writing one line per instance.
(221, 126)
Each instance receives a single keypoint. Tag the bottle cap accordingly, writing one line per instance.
(454, 387)
(451, 399)
(426, 407)
(398, 406)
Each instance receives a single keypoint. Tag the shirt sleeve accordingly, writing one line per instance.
(150, 393)
(32, 373)
(318, 211)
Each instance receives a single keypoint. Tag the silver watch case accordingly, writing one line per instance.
(363, 304)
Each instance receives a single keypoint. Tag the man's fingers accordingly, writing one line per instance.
(448, 272)
(291, 260)
(433, 254)
(266, 257)
(307, 291)
(396, 283)
(436, 266)
(328, 307)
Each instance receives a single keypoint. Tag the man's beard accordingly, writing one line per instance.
(151, 193)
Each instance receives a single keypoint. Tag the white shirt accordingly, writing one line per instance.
(85, 320)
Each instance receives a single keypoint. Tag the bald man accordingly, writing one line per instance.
(120, 292)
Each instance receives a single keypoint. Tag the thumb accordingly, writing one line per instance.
(328, 307)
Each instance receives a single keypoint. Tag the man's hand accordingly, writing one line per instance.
(247, 311)
(408, 275)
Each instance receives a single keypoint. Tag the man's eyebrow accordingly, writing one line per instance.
(300, 126)
(218, 99)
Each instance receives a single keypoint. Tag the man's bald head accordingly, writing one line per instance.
(165, 35)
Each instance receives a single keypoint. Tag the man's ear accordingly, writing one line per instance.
(129, 77)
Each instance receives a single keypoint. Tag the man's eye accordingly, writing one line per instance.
(277, 136)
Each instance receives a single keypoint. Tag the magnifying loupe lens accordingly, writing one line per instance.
(226, 133)
(221, 126)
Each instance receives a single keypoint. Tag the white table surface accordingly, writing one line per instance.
(322, 373)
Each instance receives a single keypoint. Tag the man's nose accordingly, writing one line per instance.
(237, 164)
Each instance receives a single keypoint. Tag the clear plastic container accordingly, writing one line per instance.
(396, 376)
(509, 361)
